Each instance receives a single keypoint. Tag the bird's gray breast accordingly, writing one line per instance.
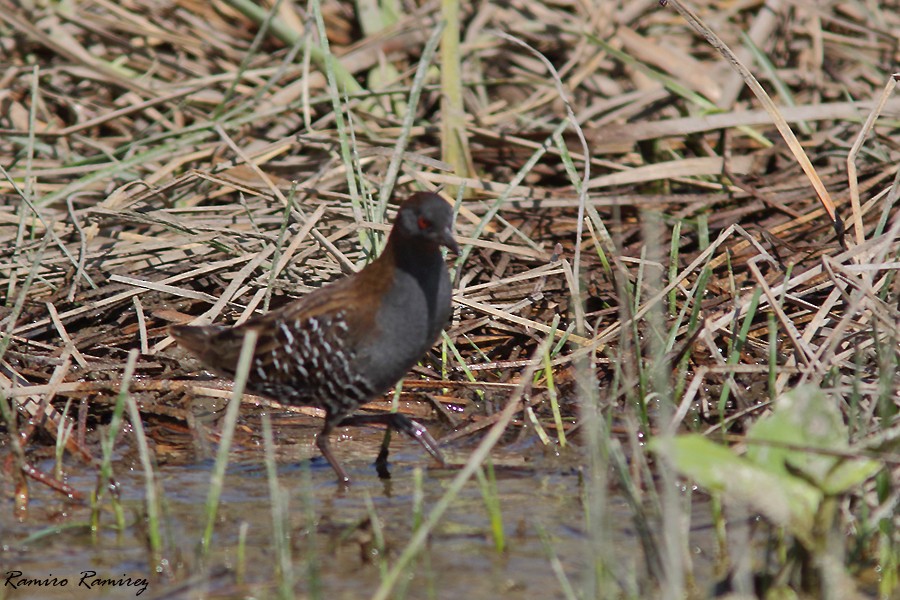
(408, 321)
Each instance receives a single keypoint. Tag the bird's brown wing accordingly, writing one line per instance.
(349, 305)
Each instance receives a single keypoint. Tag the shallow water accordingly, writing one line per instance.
(334, 551)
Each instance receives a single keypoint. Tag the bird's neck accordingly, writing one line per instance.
(413, 255)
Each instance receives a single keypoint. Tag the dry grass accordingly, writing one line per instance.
(166, 161)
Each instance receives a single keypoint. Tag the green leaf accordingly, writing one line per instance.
(784, 499)
(809, 420)
(848, 474)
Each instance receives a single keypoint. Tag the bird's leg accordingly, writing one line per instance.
(381, 461)
(403, 424)
(325, 449)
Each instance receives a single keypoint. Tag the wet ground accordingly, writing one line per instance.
(335, 552)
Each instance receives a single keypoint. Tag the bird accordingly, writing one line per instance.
(350, 341)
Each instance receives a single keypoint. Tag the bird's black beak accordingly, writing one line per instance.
(449, 241)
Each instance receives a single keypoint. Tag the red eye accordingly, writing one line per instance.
(424, 223)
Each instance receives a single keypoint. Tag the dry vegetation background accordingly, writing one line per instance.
(149, 150)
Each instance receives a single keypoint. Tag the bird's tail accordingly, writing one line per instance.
(198, 340)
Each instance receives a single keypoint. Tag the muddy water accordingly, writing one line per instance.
(335, 553)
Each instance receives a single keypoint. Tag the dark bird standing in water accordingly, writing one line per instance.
(351, 341)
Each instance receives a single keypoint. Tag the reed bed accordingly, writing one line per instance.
(657, 243)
